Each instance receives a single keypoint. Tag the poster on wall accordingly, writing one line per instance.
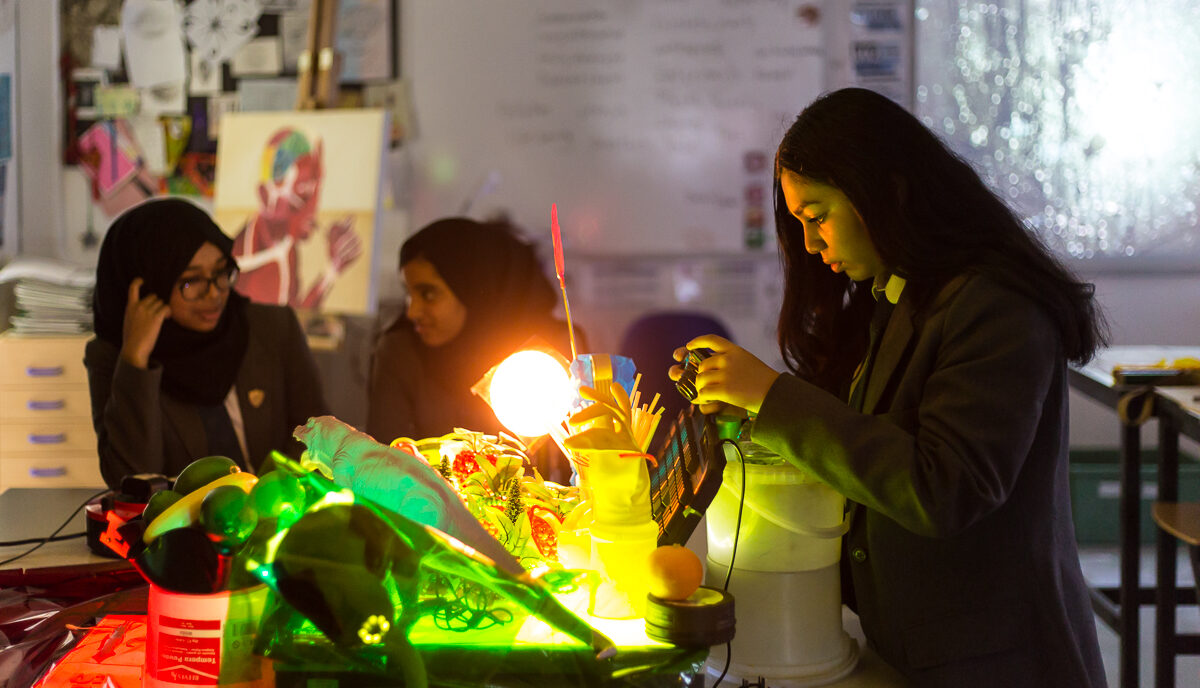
(300, 194)
(881, 47)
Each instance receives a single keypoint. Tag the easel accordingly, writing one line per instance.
(319, 76)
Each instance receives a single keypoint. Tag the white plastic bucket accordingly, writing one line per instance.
(790, 522)
(789, 628)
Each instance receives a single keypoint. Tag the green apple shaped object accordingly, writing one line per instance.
(203, 471)
(226, 516)
(278, 495)
(159, 501)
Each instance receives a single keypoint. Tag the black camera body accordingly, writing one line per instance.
(686, 384)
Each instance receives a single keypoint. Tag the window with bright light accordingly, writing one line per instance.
(1084, 114)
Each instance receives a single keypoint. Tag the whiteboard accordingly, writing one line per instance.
(651, 124)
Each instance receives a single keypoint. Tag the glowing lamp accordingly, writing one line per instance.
(531, 393)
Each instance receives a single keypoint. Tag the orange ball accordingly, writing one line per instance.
(675, 572)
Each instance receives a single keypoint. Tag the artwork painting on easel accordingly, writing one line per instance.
(300, 194)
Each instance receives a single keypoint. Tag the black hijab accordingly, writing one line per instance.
(499, 279)
(156, 241)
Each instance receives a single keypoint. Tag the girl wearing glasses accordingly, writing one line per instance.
(182, 366)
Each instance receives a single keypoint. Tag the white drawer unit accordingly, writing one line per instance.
(46, 436)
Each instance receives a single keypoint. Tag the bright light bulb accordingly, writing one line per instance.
(531, 393)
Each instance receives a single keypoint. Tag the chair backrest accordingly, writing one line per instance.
(651, 339)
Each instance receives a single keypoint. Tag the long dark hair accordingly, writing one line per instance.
(497, 276)
(930, 217)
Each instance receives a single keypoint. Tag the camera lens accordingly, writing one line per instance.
(687, 380)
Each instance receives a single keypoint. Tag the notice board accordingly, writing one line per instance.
(652, 125)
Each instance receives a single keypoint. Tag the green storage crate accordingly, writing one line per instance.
(1096, 487)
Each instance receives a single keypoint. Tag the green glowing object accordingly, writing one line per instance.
(278, 495)
(227, 517)
(203, 471)
(159, 501)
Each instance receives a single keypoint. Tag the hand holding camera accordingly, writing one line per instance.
(715, 373)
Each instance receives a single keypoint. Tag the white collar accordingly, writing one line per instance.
(891, 287)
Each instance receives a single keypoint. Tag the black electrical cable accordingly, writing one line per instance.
(49, 537)
(30, 541)
(737, 531)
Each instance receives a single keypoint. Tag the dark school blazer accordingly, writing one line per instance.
(139, 429)
(962, 549)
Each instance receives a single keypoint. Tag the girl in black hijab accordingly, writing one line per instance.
(476, 293)
(168, 367)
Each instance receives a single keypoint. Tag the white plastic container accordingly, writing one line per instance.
(790, 522)
(205, 640)
(789, 628)
(785, 580)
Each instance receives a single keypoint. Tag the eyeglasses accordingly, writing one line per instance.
(196, 288)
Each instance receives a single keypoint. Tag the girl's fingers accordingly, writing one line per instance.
(711, 341)
(675, 372)
(134, 293)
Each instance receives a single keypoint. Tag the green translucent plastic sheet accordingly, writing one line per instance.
(360, 590)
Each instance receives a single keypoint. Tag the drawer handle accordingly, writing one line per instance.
(46, 405)
(43, 371)
(48, 472)
(56, 438)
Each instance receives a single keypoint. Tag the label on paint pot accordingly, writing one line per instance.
(189, 651)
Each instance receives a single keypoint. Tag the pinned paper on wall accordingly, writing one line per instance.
(260, 95)
(217, 29)
(364, 38)
(85, 84)
(117, 101)
(108, 156)
(106, 47)
(154, 51)
(299, 192)
(217, 107)
(148, 132)
(393, 97)
(259, 57)
(284, 5)
(293, 35)
(205, 76)
(164, 99)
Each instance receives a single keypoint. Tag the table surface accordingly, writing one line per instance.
(36, 512)
(1100, 368)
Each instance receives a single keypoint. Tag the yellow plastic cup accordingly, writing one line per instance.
(621, 554)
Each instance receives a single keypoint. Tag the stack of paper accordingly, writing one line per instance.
(50, 297)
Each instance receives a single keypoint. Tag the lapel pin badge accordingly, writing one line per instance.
(256, 396)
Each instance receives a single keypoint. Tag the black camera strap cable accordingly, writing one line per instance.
(737, 531)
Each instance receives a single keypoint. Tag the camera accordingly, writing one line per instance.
(686, 384)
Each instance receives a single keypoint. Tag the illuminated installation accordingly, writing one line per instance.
(531, 393)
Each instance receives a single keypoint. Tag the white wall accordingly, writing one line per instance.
(1152, 308)
(39, 124)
